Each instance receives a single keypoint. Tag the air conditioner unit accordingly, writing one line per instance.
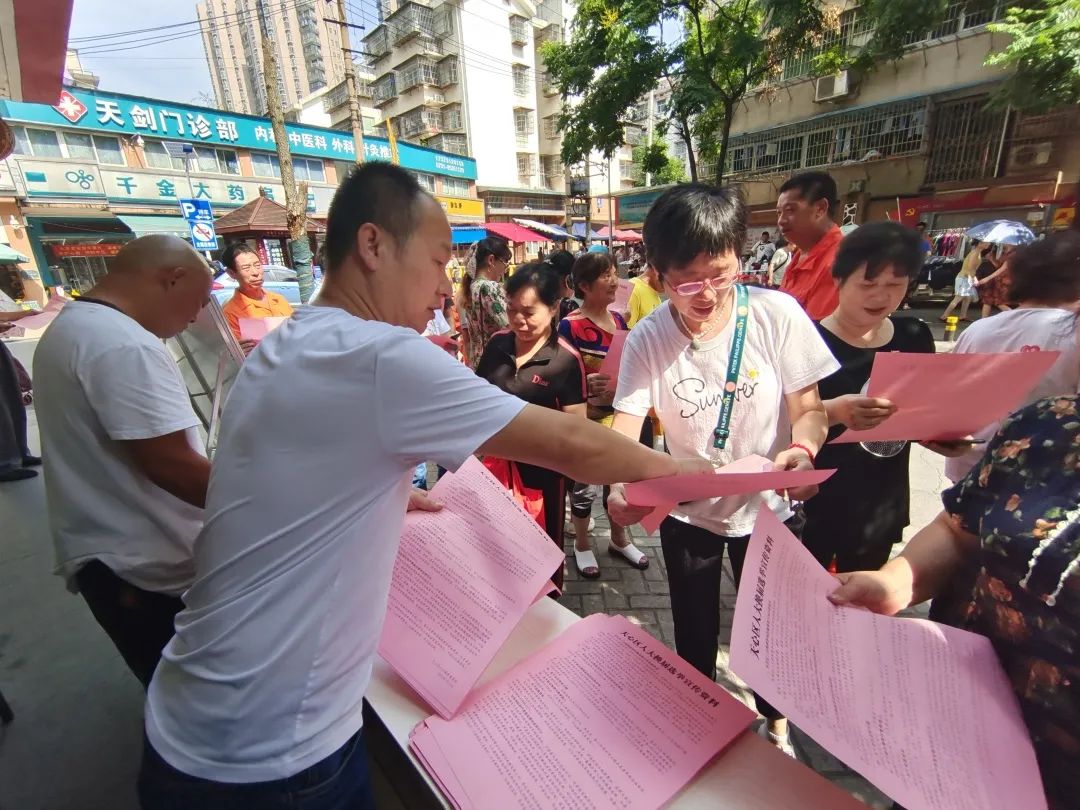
(828, 88)
(1030, 155)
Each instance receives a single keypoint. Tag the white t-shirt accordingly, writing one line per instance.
(437, 325)
(783, 353)
(1022, 330)
(321, 432)
(101, 379)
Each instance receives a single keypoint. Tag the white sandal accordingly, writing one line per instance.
(631, 553)
(587, 565)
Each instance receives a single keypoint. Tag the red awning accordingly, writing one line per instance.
(515, 233)
(620, 236)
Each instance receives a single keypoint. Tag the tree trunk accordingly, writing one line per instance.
(295, 198)
(688, 139)
(725, 137)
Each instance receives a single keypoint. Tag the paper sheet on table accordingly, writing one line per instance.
(603, 716)
(948, 396)
(621, 304)
(463, 578)
(613, 358)
(747, 475)
(258, 328)
(922, 710)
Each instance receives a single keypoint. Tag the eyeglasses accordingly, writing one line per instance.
(695, 287)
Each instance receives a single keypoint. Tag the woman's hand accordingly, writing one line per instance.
(861, 413)
(795, 458)
(601, 388)
(248, 346)
(623, 513)
(952, 449)
(878, 591)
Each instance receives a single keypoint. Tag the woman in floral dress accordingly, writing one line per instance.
(1016, 516)
(484, 298)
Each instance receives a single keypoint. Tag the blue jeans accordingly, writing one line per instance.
(342, 781)
(419, 476)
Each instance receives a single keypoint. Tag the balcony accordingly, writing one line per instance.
(420, 122)
(384, 90)
(519, 30)
(416, 72)
(377, 43)
(411, 20)
(448, 72)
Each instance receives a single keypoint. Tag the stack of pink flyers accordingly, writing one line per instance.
(604, 716)
(462, 580)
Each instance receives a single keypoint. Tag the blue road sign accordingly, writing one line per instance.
(200, 219)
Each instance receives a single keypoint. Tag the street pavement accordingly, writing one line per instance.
(76, 740)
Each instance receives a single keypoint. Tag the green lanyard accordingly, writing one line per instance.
(731, 384)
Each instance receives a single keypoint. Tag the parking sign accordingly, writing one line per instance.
(200, 220)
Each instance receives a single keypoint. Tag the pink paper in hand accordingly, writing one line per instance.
(869, 688)
(747, 475)
(946, 397)
(622, 297)
(258, 328)
(555, 731)
(613, 358)
(462, 580)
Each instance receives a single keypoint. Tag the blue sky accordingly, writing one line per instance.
(172, 70)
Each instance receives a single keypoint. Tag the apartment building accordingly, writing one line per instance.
(308, 49)
(916, 140)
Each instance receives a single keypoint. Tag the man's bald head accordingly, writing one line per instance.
(161, 280)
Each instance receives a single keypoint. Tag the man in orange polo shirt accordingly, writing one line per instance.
(250, 299)
(803, 216)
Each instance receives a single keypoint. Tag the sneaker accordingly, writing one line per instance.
(783, 744)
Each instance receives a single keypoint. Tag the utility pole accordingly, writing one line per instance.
(295, 197)
(350, 85)
(651, 129)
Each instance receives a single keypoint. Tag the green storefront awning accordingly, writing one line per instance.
(142, 225)
(9, 255)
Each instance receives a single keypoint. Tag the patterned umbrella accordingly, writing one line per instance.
(1002, 232)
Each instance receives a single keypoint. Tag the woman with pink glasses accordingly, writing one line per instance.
(731, 371)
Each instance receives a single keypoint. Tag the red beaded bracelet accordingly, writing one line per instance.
(804, 448)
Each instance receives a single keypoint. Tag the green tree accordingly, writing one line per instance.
(653, 159)
(727, 49)
(1045, 54)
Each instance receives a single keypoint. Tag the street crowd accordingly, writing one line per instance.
(247, 595)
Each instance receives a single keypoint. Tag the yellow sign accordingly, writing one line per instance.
(1064, 217)
(462, 207)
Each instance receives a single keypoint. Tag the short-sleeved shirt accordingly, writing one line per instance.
(323, 427)
(866, 500)
(486, 316)
(783, 354)
(554, 377)
(592, 342)
(271, 305)
(808, 276)
(1035, 329)
(101, 379)
(1015, 501)
(643, 300)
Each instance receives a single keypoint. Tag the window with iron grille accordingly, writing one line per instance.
(524, 122)
(522, 80)
(448, 72)
(454, 144)
(427, 181)
(959, 18)
(519, 33)
(452, 117)
(551, 126)
(552, 165)
(885, 130)
(966, 140)
(415, 72)
(626, 169)
(385, 88)
(526, 163)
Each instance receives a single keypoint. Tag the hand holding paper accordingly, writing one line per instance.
(747, 475)
(945, 397)
(258, 328)
(922, 710)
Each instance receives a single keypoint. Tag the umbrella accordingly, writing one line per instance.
(1002, 232)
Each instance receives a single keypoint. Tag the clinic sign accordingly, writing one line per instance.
(200, 219)
(131, 116)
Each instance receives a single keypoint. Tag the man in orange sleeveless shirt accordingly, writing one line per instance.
(250, 299)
